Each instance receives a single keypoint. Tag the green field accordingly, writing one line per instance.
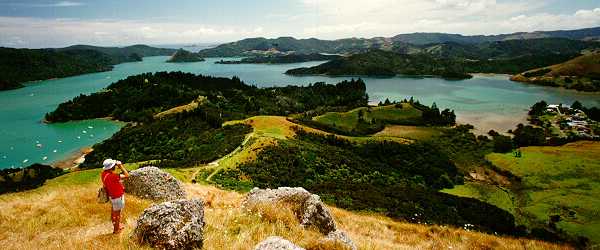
(561, 181)
(497, 196)
(407, 115)
(410, 132)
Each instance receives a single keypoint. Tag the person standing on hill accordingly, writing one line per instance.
(115, 190)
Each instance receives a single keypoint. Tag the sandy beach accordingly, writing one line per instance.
(73, 160)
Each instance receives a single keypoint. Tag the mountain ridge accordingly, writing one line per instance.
(351, 45)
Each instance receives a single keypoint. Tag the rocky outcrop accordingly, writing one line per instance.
(276, 243)
(340, 237)
(153, 183)
(172, 225)
(309, 209)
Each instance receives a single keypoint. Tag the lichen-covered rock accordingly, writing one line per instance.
(342, 238)
(310, 209)
(153, 183)
(276, 243)
(172, 225)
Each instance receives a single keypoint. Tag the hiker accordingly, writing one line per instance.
(115, 190)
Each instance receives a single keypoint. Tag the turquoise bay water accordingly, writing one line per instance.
(488, 102)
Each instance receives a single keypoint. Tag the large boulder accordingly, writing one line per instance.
(153, 183)
(172, 225)
(276, 243)
(309, 209)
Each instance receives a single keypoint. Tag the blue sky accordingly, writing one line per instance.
(50, 23)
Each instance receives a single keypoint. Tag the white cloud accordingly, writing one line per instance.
(346, 18)
(37, 32)
(66, 4)
(46, 5)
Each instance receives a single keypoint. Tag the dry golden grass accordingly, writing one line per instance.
(64, 214)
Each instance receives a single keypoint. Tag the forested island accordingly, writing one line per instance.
(182, 55)
(22, 65)
(385, 63)
(281, 59)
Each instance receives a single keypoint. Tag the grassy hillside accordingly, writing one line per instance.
(64, 214)
(363, 118)
(556, 181)
(581, 73)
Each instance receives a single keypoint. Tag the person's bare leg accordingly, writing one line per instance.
(116, 221)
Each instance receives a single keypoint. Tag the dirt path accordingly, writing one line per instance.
(215, 163)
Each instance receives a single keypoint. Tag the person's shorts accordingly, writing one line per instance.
(118, 203)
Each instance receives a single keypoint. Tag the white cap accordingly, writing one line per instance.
(108, 164)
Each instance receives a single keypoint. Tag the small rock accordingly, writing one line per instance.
(311, 212)
(342, 238)
(276, 243)
(153, 183)
(172, 225)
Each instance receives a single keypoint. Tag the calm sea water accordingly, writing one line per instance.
(488, 102)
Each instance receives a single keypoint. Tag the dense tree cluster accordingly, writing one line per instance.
(433, 116)
(14, 180)
(180, 140)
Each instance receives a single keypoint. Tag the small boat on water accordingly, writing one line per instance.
(54, 151)
(44, 158)
(39, 145)
(25, 161)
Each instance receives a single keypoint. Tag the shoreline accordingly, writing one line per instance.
(72, 160)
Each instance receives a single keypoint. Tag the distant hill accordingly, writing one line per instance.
(182, 55)
(290, 44)
(428, 38)
(405, 43)
(124, 54)
(22, 65)
(581, 73)
(452, 60)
